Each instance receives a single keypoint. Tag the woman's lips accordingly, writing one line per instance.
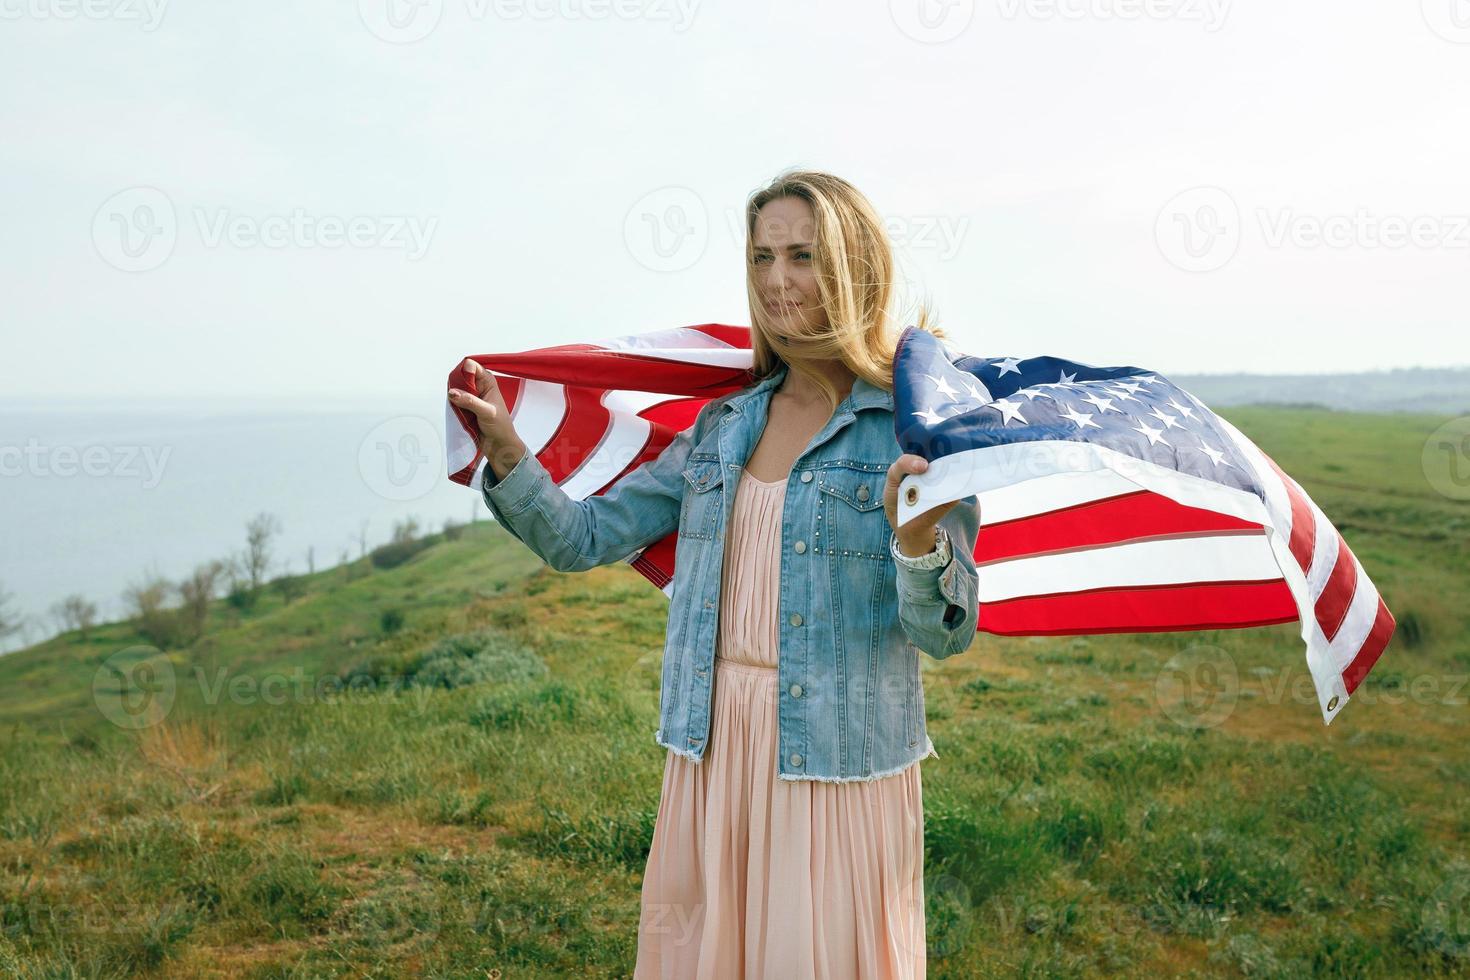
(779, 308)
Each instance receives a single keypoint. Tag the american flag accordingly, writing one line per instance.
(1111, 500)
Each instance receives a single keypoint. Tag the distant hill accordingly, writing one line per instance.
(1443, 391)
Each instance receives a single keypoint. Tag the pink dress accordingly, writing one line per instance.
(752, 876)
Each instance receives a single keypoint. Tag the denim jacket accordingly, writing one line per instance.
(852, 620)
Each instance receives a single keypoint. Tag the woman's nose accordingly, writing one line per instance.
(776, 277)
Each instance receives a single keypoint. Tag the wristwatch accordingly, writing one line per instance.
(934, 559)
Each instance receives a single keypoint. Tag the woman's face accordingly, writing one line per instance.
(785, 278)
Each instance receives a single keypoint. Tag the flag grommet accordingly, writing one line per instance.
(1332, 702)
(913, 495)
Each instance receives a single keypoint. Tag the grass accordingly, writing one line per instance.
(1083, 820)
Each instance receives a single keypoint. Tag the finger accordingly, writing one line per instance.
(477, 406)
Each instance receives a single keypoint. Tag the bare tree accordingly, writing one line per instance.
(11, 619)
(311, 560)
(362, 539)
(258, 535)
(406, 530)
(147, 601)
(197, 592)
(75, 612)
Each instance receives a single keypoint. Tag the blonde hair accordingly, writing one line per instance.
(853, 263)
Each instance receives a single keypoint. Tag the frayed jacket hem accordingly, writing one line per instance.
(692, 756)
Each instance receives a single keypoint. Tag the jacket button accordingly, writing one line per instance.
(796, 690)
(806, 476)
(862, 493)
(794, 619)
(796, 758)
(799, 547)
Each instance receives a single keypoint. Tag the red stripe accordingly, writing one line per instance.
(1126, 517)
(1144, 609)
(1303, 521)
(656, 562)
(1373, 646)
(1332, 604)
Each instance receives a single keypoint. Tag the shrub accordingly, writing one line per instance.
(391, 620)
(472, 658)
(395, 554)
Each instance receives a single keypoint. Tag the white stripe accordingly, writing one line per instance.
(538, 412)
(1324, 553)
(1016, 468)
(1170, 561)
(1049, 493)
(673, 339)
(1357, 623)
(1278, 502)
(459, 448)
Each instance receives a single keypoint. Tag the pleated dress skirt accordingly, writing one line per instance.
(752, 876)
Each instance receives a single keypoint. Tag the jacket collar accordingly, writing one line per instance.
(863, 394)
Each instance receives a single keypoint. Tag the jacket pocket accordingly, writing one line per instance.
(704, 497)
(854, 522)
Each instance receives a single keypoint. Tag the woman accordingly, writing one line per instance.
(789, 839)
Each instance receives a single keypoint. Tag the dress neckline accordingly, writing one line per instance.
(765, 483)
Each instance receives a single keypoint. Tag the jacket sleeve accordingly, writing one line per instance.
(938, 607)
(575, 535)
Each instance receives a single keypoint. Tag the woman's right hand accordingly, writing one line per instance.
(498, 439)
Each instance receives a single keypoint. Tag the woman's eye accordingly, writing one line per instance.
(804, 255)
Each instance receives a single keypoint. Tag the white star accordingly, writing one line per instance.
(1011, 410)
(979, 394)
(1215, 455)
(1066, 378)
(942, 386)
(930, 417)
(1166, 418)
(1081, 419)
(1129, 387)
(1184, 410)
(1007, 364)
(1124, 394)
(1034, 393)
(1155, 436)
(1104, 405)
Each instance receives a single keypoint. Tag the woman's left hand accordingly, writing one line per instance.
(917, 536)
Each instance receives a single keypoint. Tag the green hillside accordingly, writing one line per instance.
(329, 793)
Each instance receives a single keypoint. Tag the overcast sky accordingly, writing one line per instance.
(342, 199)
